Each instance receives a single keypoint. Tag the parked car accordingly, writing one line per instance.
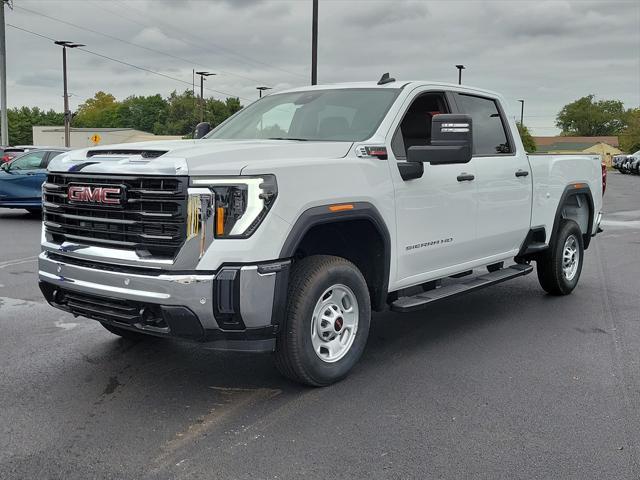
(21, 179)
(618, 160)
(9, 153)
(284, 227)
(633, 163)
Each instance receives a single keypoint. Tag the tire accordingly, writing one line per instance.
(557, 277)
(328, 300)
(126, 334)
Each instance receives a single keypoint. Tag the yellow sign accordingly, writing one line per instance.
(95, 138)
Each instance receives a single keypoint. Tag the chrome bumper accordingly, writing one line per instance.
(235, 299)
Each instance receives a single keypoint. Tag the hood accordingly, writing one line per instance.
(192, 157)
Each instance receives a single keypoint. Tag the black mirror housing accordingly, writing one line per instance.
(451, 141)
(202, 129)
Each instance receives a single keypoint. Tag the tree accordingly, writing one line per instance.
(182, 111)
(586, 117)
(630, 136)
(177, 114)
(143, 113)
(99, 111)
(21, 120)
(527, 139)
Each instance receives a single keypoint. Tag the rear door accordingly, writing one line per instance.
(503, 178)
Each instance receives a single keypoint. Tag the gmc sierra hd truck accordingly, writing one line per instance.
(283, 228)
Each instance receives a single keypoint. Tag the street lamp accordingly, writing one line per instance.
(460, 68)
(67, 113)
(521, 113)
(314, 43)
(202, 75)
(262, 89)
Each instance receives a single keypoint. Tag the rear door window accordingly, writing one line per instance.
(489, 132)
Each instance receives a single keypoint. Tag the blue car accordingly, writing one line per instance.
(21, 179)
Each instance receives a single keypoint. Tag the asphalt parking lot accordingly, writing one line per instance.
(503, 383)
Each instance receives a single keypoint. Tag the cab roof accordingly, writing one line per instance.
(398, 84)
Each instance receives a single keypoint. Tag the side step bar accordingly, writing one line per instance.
(421, 300)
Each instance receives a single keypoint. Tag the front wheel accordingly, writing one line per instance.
(560, 266)
(327, 321)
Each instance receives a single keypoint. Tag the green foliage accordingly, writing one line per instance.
(586, 117)
(630, 137)
(177, 114)
(527, 139)
(99, 111)
(143, 113)
(22, 119)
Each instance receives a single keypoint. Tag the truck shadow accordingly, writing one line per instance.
(164, 364)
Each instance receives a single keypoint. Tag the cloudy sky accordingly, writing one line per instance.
(548, 53)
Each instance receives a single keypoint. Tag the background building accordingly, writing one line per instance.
(89, 137)
(606, 147)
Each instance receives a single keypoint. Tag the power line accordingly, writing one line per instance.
(122, 62)
(208, 42)
(112, 37)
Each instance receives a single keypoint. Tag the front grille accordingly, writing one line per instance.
(107, 309)
(151, 220)
(101, 308)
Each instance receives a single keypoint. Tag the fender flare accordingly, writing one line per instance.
(321, 215)
(570, 191)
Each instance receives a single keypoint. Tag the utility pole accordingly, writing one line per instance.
(262, 89)
(202, 75)
(67, 113)
(4, 129)
(521, 113)
(314, 44)
(460, 68)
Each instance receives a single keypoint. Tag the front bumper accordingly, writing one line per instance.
(235, 308)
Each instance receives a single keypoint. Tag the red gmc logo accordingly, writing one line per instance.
(102, 195)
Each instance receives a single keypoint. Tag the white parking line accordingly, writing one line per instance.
(19, 261)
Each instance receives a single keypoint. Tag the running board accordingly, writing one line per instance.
(421, 300)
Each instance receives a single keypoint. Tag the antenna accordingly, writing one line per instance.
(386, 79)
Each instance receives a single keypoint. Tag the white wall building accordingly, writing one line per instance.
(89, 137)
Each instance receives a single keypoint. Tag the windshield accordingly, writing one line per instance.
(348, 115)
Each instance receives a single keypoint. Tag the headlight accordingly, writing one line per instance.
(239, 203)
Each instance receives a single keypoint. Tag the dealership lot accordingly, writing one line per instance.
(503, 383)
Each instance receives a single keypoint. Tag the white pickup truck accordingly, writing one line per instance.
(284, 227)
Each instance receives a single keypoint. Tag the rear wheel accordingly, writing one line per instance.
(327, 321)
(125, 333)
(560, 266)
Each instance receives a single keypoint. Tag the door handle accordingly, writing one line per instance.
(465, 177)
(522, 173)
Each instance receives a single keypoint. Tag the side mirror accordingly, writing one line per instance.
(202, 129)
(5, 166)
(451, 141)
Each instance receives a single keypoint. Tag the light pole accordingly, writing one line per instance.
(262, 89)
(460, 68)
(521, 113)
(4, 129)
(314, 44)
(67, 113)
(202, 75)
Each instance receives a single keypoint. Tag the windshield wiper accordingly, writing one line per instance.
(289, 138)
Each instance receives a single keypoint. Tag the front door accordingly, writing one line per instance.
(503, 179)
(436, 214)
